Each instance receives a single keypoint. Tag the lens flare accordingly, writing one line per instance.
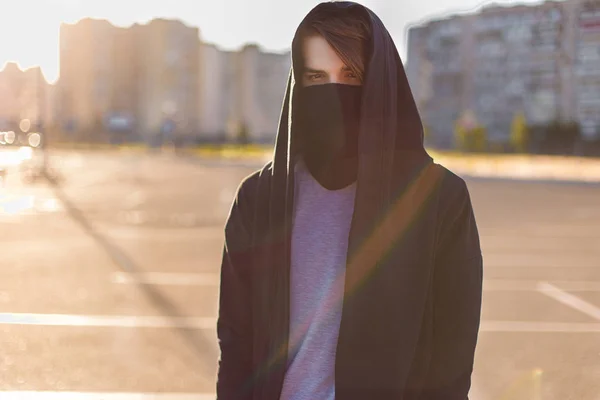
(25, 125)
(10, 137)
(34, 139)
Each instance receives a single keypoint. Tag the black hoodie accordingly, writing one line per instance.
(411, 308)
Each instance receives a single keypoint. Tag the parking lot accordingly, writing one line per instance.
(109, 281)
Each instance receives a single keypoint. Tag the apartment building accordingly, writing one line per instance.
(158, 81)
(87, 71)
(24, 94)
(167, 75)
(500, 62)
(261, 82)
(141, 79)
(242, 91)
(217, 96)
(587, 68)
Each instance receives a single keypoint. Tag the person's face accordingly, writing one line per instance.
(323, 65)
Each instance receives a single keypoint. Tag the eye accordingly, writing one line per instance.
(315, 76)
(351, 75)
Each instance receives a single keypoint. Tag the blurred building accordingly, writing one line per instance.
(242, 93)
(587, 67)
(167, 77)
(158, 82)
(217, 86)
(139, 80)
(261, 82)
(24, 94)
(500, 62)
(87, 76)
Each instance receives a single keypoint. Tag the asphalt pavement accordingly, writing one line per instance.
(109, 280)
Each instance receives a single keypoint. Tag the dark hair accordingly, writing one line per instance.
(348, 32)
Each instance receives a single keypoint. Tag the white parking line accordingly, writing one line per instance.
(167, 278)
(506, 285)
(69, 320)
(569, 300)
(210, 323)
(117, 321)
(212, 279)
(43, 395)
(539, 327)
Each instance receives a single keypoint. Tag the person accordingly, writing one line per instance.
(352, 267)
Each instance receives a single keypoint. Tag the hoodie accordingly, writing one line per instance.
(412, 291)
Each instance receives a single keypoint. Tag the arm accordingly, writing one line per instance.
(457, 299)
(234, 324)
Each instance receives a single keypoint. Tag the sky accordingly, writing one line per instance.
(29, 28)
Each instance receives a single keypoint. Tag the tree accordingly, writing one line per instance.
(519, 135)
(478, 138)
(470, 138)
(243, 134)
(460, 137)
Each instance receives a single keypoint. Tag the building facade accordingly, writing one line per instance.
(159, 82)
(217, 94)
(141, 80)
(261, 81)
(87, 76)
(501, 62)
(587, 67)
(24, 94)
(167, 75)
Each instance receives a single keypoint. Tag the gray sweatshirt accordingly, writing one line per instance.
(321, 226)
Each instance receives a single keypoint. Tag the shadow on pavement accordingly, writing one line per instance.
(196, 341)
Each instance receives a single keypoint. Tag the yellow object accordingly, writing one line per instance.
(518, 133)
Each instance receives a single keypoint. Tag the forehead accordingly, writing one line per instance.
(318, 54)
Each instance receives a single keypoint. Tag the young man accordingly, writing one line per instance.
(352, 267)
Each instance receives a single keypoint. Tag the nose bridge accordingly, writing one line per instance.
(335, 77)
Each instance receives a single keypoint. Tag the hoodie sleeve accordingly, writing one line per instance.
(234, 324)
(457, 298)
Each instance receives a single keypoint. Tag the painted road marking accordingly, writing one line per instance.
(569, 300)
(538, 327)
(167, 278)
(501, 285)
(210, 323)
(213, 279)
(117, 321)
(44, 395)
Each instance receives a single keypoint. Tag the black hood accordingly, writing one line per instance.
(391, 131)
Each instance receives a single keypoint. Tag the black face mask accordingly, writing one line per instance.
(327, 123)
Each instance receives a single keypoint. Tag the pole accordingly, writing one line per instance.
(40, 117)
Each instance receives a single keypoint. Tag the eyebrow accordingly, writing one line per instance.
(315, 71)
(312, 71)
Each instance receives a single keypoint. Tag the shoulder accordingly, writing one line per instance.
(454, 197)
(248, 195)
(453, 188)
(253, 184)
(457, 236)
